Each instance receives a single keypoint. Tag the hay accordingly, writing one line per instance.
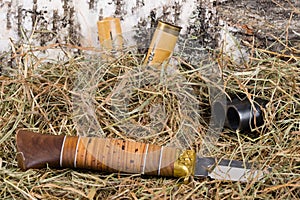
(38, 94)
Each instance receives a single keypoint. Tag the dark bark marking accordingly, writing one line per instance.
(34, 12)
(19, 21)
(153, 18)
(101, 14)
(138, 4)
(74, 29)
(205, 26)
(8, 14)
(177, 10)
(92, 4)
(55, 22)
(120, 11)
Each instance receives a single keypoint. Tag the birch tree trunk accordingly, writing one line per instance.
(45, 22)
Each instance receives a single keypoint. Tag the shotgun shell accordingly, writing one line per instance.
(162, 44)
(110, 33)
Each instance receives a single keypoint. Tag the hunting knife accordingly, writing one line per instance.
(37, 150)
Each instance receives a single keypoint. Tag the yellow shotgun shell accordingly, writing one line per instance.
(162, 44)
(110, 33)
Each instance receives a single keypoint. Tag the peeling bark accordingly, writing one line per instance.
(265, 21)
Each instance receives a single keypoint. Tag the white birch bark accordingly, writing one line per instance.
(45, 22)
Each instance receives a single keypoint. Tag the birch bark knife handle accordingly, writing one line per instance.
(108, 155)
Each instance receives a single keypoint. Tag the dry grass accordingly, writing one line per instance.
(39, 94)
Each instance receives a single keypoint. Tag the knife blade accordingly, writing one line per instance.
(223, 169)
(113, 155)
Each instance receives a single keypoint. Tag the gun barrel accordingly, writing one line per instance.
(239, 114)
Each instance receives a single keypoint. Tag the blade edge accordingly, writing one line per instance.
(225, 169)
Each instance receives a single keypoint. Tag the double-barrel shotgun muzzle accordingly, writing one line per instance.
(240, 113)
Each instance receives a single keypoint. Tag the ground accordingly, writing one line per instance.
(37, 93)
